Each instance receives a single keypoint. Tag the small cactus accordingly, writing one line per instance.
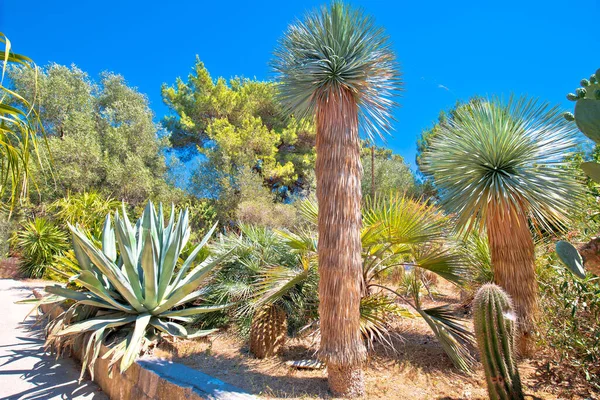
(495, 329)
(587, 107)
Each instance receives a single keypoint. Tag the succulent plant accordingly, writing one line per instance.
(587, 108)
(138, 295)
(587, 118)
(495, 330)
(569, 255)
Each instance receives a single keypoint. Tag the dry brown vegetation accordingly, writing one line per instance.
(417, 369)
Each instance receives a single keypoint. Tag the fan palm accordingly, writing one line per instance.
(337, 67)
(498, 166)
(397, 233)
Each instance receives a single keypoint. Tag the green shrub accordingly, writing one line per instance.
(39, 242)
(569, 323)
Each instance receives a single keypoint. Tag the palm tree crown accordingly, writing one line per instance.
(334, 49)
(506, 157)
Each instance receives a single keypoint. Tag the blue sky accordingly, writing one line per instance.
(447, 50)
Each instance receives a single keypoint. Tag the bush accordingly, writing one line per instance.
(569, 323)
(39, 242)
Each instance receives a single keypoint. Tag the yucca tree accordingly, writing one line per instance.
(337, 67)
(498, 167)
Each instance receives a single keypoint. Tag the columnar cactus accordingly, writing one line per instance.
(495, 330)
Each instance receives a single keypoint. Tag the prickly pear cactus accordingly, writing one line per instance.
(569, 255)
(268, 331)
(587, 107)
(495, 330)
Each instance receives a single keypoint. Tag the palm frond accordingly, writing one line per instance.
(333, 49)
(509, 155)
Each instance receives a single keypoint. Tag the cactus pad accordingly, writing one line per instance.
(569, 255)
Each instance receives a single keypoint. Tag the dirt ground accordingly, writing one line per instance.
(417, 369)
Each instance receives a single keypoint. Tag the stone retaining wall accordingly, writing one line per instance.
(155, 379)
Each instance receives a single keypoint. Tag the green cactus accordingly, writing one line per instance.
(569, 255)
(587, 108)
(495, 329)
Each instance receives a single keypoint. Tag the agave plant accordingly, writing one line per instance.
(498, 166)
(134, 290)
(397, 233)
(39, 242)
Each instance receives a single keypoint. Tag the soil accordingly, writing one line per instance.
(418, 368)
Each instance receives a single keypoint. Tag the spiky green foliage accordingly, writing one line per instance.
(263, 270)
(333, 49)
(495, 330)
(39, 242)
(19, 127)
(135, 285)
(88, 210)
(399, 233)
(506, 154)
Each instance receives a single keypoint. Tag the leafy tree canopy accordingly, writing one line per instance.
(100, 134)
(239, 124)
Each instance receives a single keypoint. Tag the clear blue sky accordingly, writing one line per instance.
(448, 50)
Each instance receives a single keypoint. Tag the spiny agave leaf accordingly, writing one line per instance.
(82, 259)
(91, 352)
(80, 297)
(190, 283)
(592, 169)
(134, 345)
(127, 246)
(188, 262)
(149, 262)
(186, 312)
(169, 327)
(109, 269)
(201, 333)
(108, 240)
(169, 260)
(569, 255)
(109, 321)
(93, 284)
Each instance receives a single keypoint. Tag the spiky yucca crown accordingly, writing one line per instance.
(333, 49)
(507, 155)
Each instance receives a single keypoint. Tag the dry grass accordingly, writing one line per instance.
(418, 369)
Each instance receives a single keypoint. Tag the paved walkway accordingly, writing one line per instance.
(26, 372)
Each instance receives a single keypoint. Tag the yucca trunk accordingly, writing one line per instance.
(268, 331)
(513, 259)
(338, 172)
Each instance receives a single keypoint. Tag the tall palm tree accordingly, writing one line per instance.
(336, 66)
(498, 166)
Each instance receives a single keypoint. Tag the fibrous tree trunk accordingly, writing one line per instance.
(268, 331)
(338, 172)
(513, 260)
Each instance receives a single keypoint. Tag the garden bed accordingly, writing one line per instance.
(418, 369)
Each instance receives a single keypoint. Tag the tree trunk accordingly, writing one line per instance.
(338, 171)
(513, 259)
(268, 331)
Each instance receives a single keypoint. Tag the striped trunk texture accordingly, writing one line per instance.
(513, 259)
(268, 331)
(338, 171)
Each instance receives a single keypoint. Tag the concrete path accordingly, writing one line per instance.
(26, 372)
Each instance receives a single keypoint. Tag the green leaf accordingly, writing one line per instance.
(592, 169)
(134, 345)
